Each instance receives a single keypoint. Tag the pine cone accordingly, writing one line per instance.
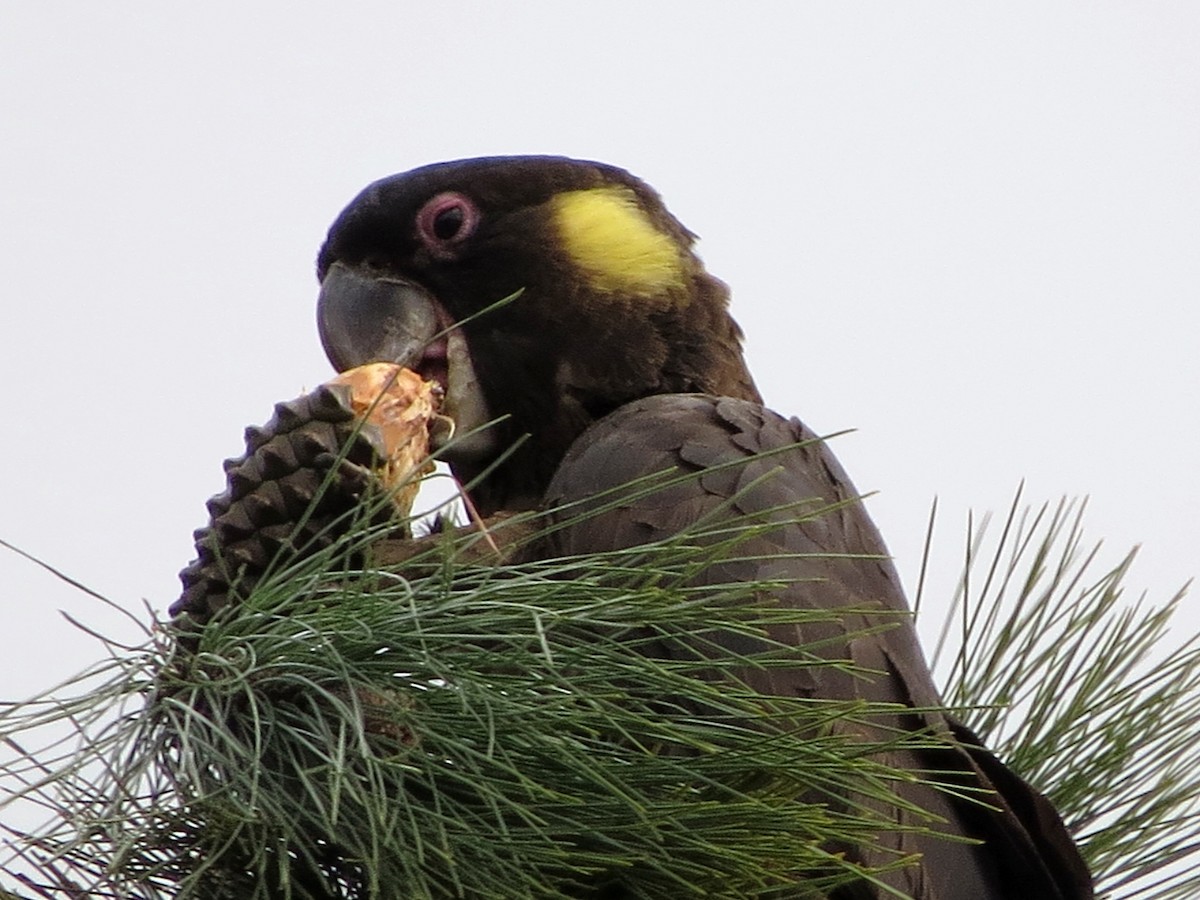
(304, 475)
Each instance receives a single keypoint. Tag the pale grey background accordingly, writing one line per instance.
(971, 233)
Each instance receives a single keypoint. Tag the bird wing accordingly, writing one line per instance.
(750, 465)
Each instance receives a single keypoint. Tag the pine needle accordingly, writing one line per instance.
(1082, 693)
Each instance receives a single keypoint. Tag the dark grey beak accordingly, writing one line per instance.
(366, 318)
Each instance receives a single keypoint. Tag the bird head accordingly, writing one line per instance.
(541, 292)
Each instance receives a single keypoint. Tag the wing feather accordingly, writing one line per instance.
(750, 465)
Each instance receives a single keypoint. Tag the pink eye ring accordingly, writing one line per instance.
(446, 221)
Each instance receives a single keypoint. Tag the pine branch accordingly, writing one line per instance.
(447, 729)
(1082, 694)
(535, 730)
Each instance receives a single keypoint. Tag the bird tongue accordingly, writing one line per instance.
(434, 364)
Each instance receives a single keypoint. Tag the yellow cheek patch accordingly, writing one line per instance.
(615, 244)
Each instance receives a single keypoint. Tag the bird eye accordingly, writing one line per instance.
(445, 221)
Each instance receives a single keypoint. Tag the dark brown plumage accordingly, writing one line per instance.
(618, 359)
(561, 355)
(1027, 851)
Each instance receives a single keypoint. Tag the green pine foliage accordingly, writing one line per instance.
(1083, 693)
(447, 729)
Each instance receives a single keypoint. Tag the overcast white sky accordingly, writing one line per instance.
(971, 233)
